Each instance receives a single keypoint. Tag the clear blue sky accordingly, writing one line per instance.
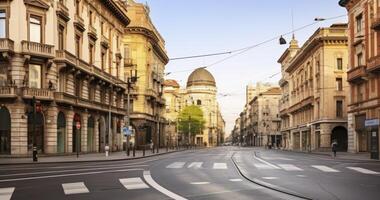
(209, 26)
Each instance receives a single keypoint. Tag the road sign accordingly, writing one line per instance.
(371, 122)
(77, 125)
(127, 131)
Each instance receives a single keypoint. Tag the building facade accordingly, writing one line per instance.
(363, 75)
(313, 105)
(144, 53)
(172, 97)
(66, 55)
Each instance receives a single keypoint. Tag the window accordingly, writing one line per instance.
(103, 57)
(360, 93)
(77, 86)
(61, 35)
(102, 27)
(339, 63)
(339, 84)
(91, 53)
(3, 74)
(35, 78)
(199, 102)
(117, 42)
(90, 17)
(339, 108)
(77, 7)
(77, 45)
(359, 58)
(3, 24)
(359, 20)
(35, 29)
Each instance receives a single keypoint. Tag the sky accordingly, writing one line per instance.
(211, 26)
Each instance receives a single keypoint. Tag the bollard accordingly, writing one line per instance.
(107, 148)
(158, 147)
(134, 151)
(127, 151)
(35, 159)
(144, 151)
(167, 148)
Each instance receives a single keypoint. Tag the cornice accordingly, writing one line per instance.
(37, 3)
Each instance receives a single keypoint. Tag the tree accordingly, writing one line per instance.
(191, 121)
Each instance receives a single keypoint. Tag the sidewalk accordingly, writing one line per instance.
(121, 155)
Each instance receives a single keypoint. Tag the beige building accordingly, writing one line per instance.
(313, 105)
(363, 75)
(201, 91)
(172, 96)
(145, 53)
(66, 54)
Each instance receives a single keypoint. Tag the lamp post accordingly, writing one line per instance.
(130, 81)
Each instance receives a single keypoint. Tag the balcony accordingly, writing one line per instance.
(63, 97)
(63, 56)
(79, 23)
(105, 42)
(151, 93)
(92, 33)
(373, 64)
(8, 92)
(37, 49)
(356, 74)
(6, 45)
(62, 11)
(128, 62)
(40, 94)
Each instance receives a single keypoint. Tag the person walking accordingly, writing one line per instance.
(334, 146)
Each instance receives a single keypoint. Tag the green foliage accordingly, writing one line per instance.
(191, 117)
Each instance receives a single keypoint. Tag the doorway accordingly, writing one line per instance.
(5, 131)
(61, 133)
(38, 135)
(339, 134)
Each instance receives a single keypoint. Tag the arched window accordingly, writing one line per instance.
(199, 102)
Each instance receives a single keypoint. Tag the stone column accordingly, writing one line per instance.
(83, 129)
(69, 130)
(19, 128)
(50, 139)
(352, 135)
(325, 136)
(96, 133)
(18, 69)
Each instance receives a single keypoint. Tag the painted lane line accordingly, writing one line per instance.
(176, 165)
(290, 167)
(270, 178)
(300, 175)
(133, 183)
(195, 165)
(266, 162)
(263, 166)
(276, 158)
(6, 193)
(64, 175)
(148, 178)
(325, 168)
(235, 180)
(74, 188)
(219, 166)
(362, 170)
(199, 183)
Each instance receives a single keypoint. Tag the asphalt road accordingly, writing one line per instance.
(197, 174)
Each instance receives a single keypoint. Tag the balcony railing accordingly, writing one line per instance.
(373, 64)
(151, 93)
(37, 49)
(128, 62)
(8, 92)
(40, 94)
(65, 56)
(356, 74)
(6, 45)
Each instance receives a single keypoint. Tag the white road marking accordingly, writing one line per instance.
(74, 188)
(267, 163)
(199, 183)
(263, 166)
(148, 178)
(6, 193)
(300, 175)
(362, 170)
(276, 158)
(176, 165)
(235, 180)
(269, 177)
(64, 175)
(133, 183)
(195, 165)
(220, 166)
(290, 167)
(325, 168)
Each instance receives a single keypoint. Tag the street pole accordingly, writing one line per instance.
(77, 143)
(34, 148)
(128, 112)
(189, 131)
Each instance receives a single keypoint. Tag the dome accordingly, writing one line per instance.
(171, 82)
(201, 76)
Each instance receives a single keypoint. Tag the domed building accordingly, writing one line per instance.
(200, 90)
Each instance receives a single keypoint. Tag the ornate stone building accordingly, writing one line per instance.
(314, 101)
(144, 52)
(67, 55)
(201, 91)
(363, 75)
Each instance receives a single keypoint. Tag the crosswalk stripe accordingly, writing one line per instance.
(176, 165)
(220, 166)
(199, 183)
(195, 165)
(263, 166)
(325, 168)
(74, 188)
(290, 167)
(362, 170)
(133, 183)
(6, 193)
(235, 180)
(270, 178)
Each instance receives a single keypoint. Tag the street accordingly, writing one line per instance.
(218, 173)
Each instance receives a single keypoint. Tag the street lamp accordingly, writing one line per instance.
(130, 81)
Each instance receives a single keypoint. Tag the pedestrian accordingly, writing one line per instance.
(334, 146)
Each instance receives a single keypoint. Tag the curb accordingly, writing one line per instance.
(90, 161)
(268, 185)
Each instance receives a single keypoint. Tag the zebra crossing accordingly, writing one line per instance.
(196, 165)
